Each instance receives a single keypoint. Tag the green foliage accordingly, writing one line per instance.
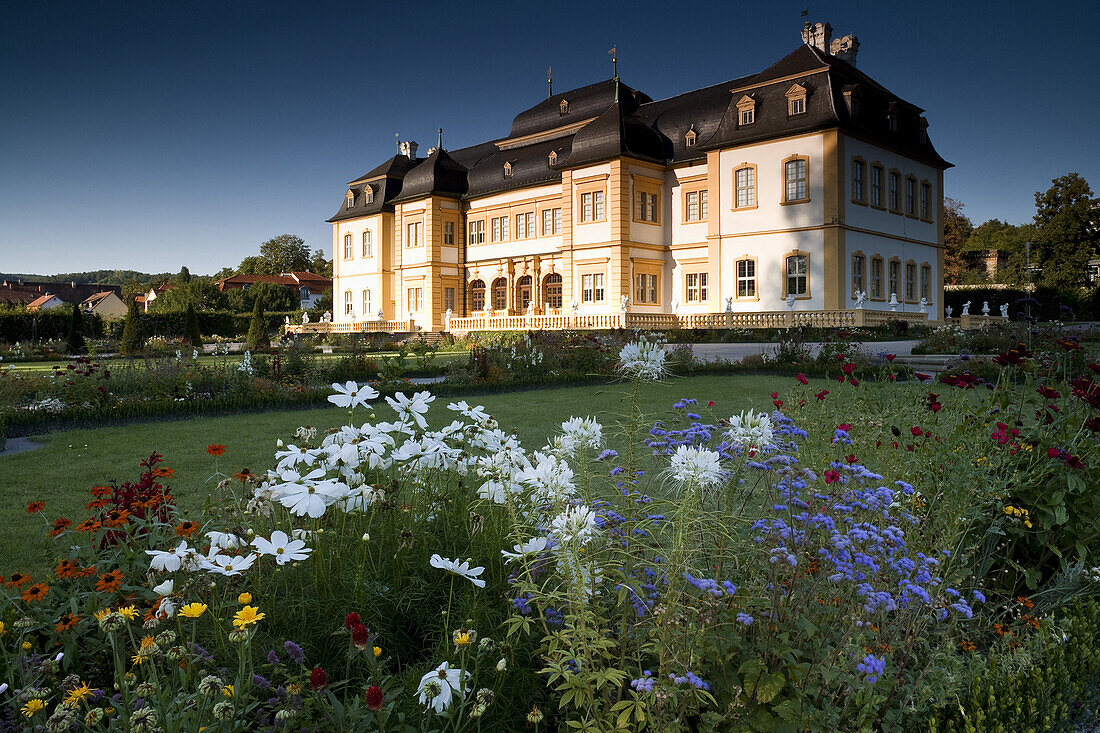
(75, 341)
(199, 292)
(956, 231)
(1067, 220)
(275, 297)
(20, 325)
(257, 329)
(284, 253)
(132, 338)
(191, 327)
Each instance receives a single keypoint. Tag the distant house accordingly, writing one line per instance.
(105, 303)
(310, 287)
(24, 292)
(149, 296)
(45, 302)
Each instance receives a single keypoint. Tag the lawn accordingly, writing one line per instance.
(69, 463)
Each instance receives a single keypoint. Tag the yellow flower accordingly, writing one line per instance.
(1027, 523)
(3, 629)
(193, 610)
(77, 694)
(461, 638)
(102, 614)
(246, 617)
(147, 642)
(228, 690)
(128, 612)
(244, 599)
(377, 651)
(32, 707)
(26, 646)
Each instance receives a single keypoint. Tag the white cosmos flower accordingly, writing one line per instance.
(462, 569)
(574, 525)
(311, 499)
(476, 414)
(363, 496)
(293, 455)
(165, 588)
(173, 559)
(227, 564)
(224, 540)
(643, 360)
(351, 394)
(530, 547)
(167, 607)
(413, 407)
(698, 467)
(282, 548)
(439, 686)
(750, 430)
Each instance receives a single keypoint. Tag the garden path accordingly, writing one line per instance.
(736, 352)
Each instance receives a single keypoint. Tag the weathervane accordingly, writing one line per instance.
(440, 138)
(614, 63)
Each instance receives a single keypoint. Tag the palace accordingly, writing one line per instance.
(805, 188)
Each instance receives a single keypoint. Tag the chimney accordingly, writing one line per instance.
(818, 35)
(408, 149)
(845, 48)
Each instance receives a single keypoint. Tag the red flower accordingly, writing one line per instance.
(854, 382)
(710, 403)
(374, 698)
(892, 377)
(1050, 394)
(844, 426)
(840, 378)
(318, 679)
(215, 449)
(775, 395)
(935, 407)
(821, 395)
(850, 458)
(916, 431)
(802, 379)
(840, 357)
(922, 376)
(351, 620)
(35, 506)
(1093, 424)
(360, 636)
(1095, 366)
(891, 357)
(849, 368)
(831, 477)
(1053, 452)
(778, 404)
(60, 525)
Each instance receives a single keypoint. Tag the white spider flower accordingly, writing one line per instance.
(581, 432)
(574, 525)
(550, 479)
(750, 430)
(438, 687)
(643, 360)
(282, 548)
(461, 569)
(698, 467)
(351, 394)
(530, 547)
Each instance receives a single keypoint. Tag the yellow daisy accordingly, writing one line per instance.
(244, 598)
(76, 695)
(32, 707)
(128, 612)
(246, 617)
(193, 610)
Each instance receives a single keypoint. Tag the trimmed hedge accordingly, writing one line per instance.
(211, 323)
(1047, 304)
(22, 325)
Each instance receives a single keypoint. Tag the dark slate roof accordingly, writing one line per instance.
(616, 132)
(385, 191)
(584, 103)
(395, 167)
(530, 166)
(439, 174)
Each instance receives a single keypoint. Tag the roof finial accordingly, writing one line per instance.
(614, 62)
(549, 82)
(397, 140)
(440, 145)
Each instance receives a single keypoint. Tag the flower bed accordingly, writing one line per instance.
(843, 562)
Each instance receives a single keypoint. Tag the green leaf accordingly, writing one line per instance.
(768, 687)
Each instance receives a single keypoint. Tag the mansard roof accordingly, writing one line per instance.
(600, 125)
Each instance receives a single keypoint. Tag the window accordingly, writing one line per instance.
(448, 299)
(551, 221)
(876, 278)
(926, 201)
(477, 294)
(696, 287)
(449, 233)
(857, 273)
(876, 186)
(500, 294)
(858, 168)
(415, 299)
(414, 230)
(746, 278)
(745, 187)
(523, 293)
(895, 276)
(895, 195)
(646, 207)
(563, 107)
(797, 106)
(695, 205)
(366, 303)
(798, 278)
(507, 169)
(477, 232)
(349, 199)
(525, 225)
(911, 196)
(748, 116)
(348, 253)
(348, 306)
(911, 282)
(552, 159)
(591, 206)
(746, 108)
(926, 282)
(796, 100)
(367, 247)
(368, 195)
(551, 287)
(592, 288)
(645, 288)
(794, 178)
(689, 138)
(499, 228)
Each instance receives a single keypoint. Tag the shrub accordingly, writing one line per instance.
(257, 330)
(191, 327)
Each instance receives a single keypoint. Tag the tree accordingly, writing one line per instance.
(319, 264)
(184, 277)
(957, 228)
(191, 327)
(200, 292)
(257, 329)
(76, 332)
(998, 237)
(131, 332)
(1067, 230)
(284, 253)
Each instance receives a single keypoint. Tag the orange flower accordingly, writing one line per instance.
(243, 475)
(36, 592)
(66, 622)
(99, 503)
(18, 579)
(163, 472)
(60, 525)
(67, 569)
(215, 449)
(1025, 602)
(88, 525)
(116, 518)
(109, 582)
(967, 646)
(101, 492)
(187, 528)
(87, 572)
(35, 506)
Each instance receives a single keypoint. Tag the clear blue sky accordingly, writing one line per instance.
(154, 135)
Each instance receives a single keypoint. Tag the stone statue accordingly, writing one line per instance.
(729, 304)
(623, 302)
(1004, 311)
(488, 308)
(893, 302)
(924, 305)
(575, 306)
(947, 311)
(530, 308)
(305, 317)
(985, 307)
(966, 308)
(447, 317)
(327, 318)
(381, 314)
(790, 301)
(675, 306)
(861, 297)
(286, 321)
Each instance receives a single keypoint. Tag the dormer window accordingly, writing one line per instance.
(349, 199)
(746, 110)
(564, 107)
(851, 99)
(689, 138)
(552, 159)
(892, 117)
(368, 195)
(796, 100)
(507, 169)
(923, 132)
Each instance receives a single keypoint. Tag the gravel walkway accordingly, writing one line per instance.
(18, 445)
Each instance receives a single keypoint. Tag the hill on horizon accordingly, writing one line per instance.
(100, 277)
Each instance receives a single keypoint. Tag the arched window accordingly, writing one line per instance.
(523, 292)
(563, 107)
(551, 286)
(348, 254)
(477, 295)
(349, 199)
(347, 303)
(368, 195)
(500, 294)
(366, 303)
(552, 159)
(689, 138)
(367, 243)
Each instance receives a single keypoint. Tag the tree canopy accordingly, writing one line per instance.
(1067, 230)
